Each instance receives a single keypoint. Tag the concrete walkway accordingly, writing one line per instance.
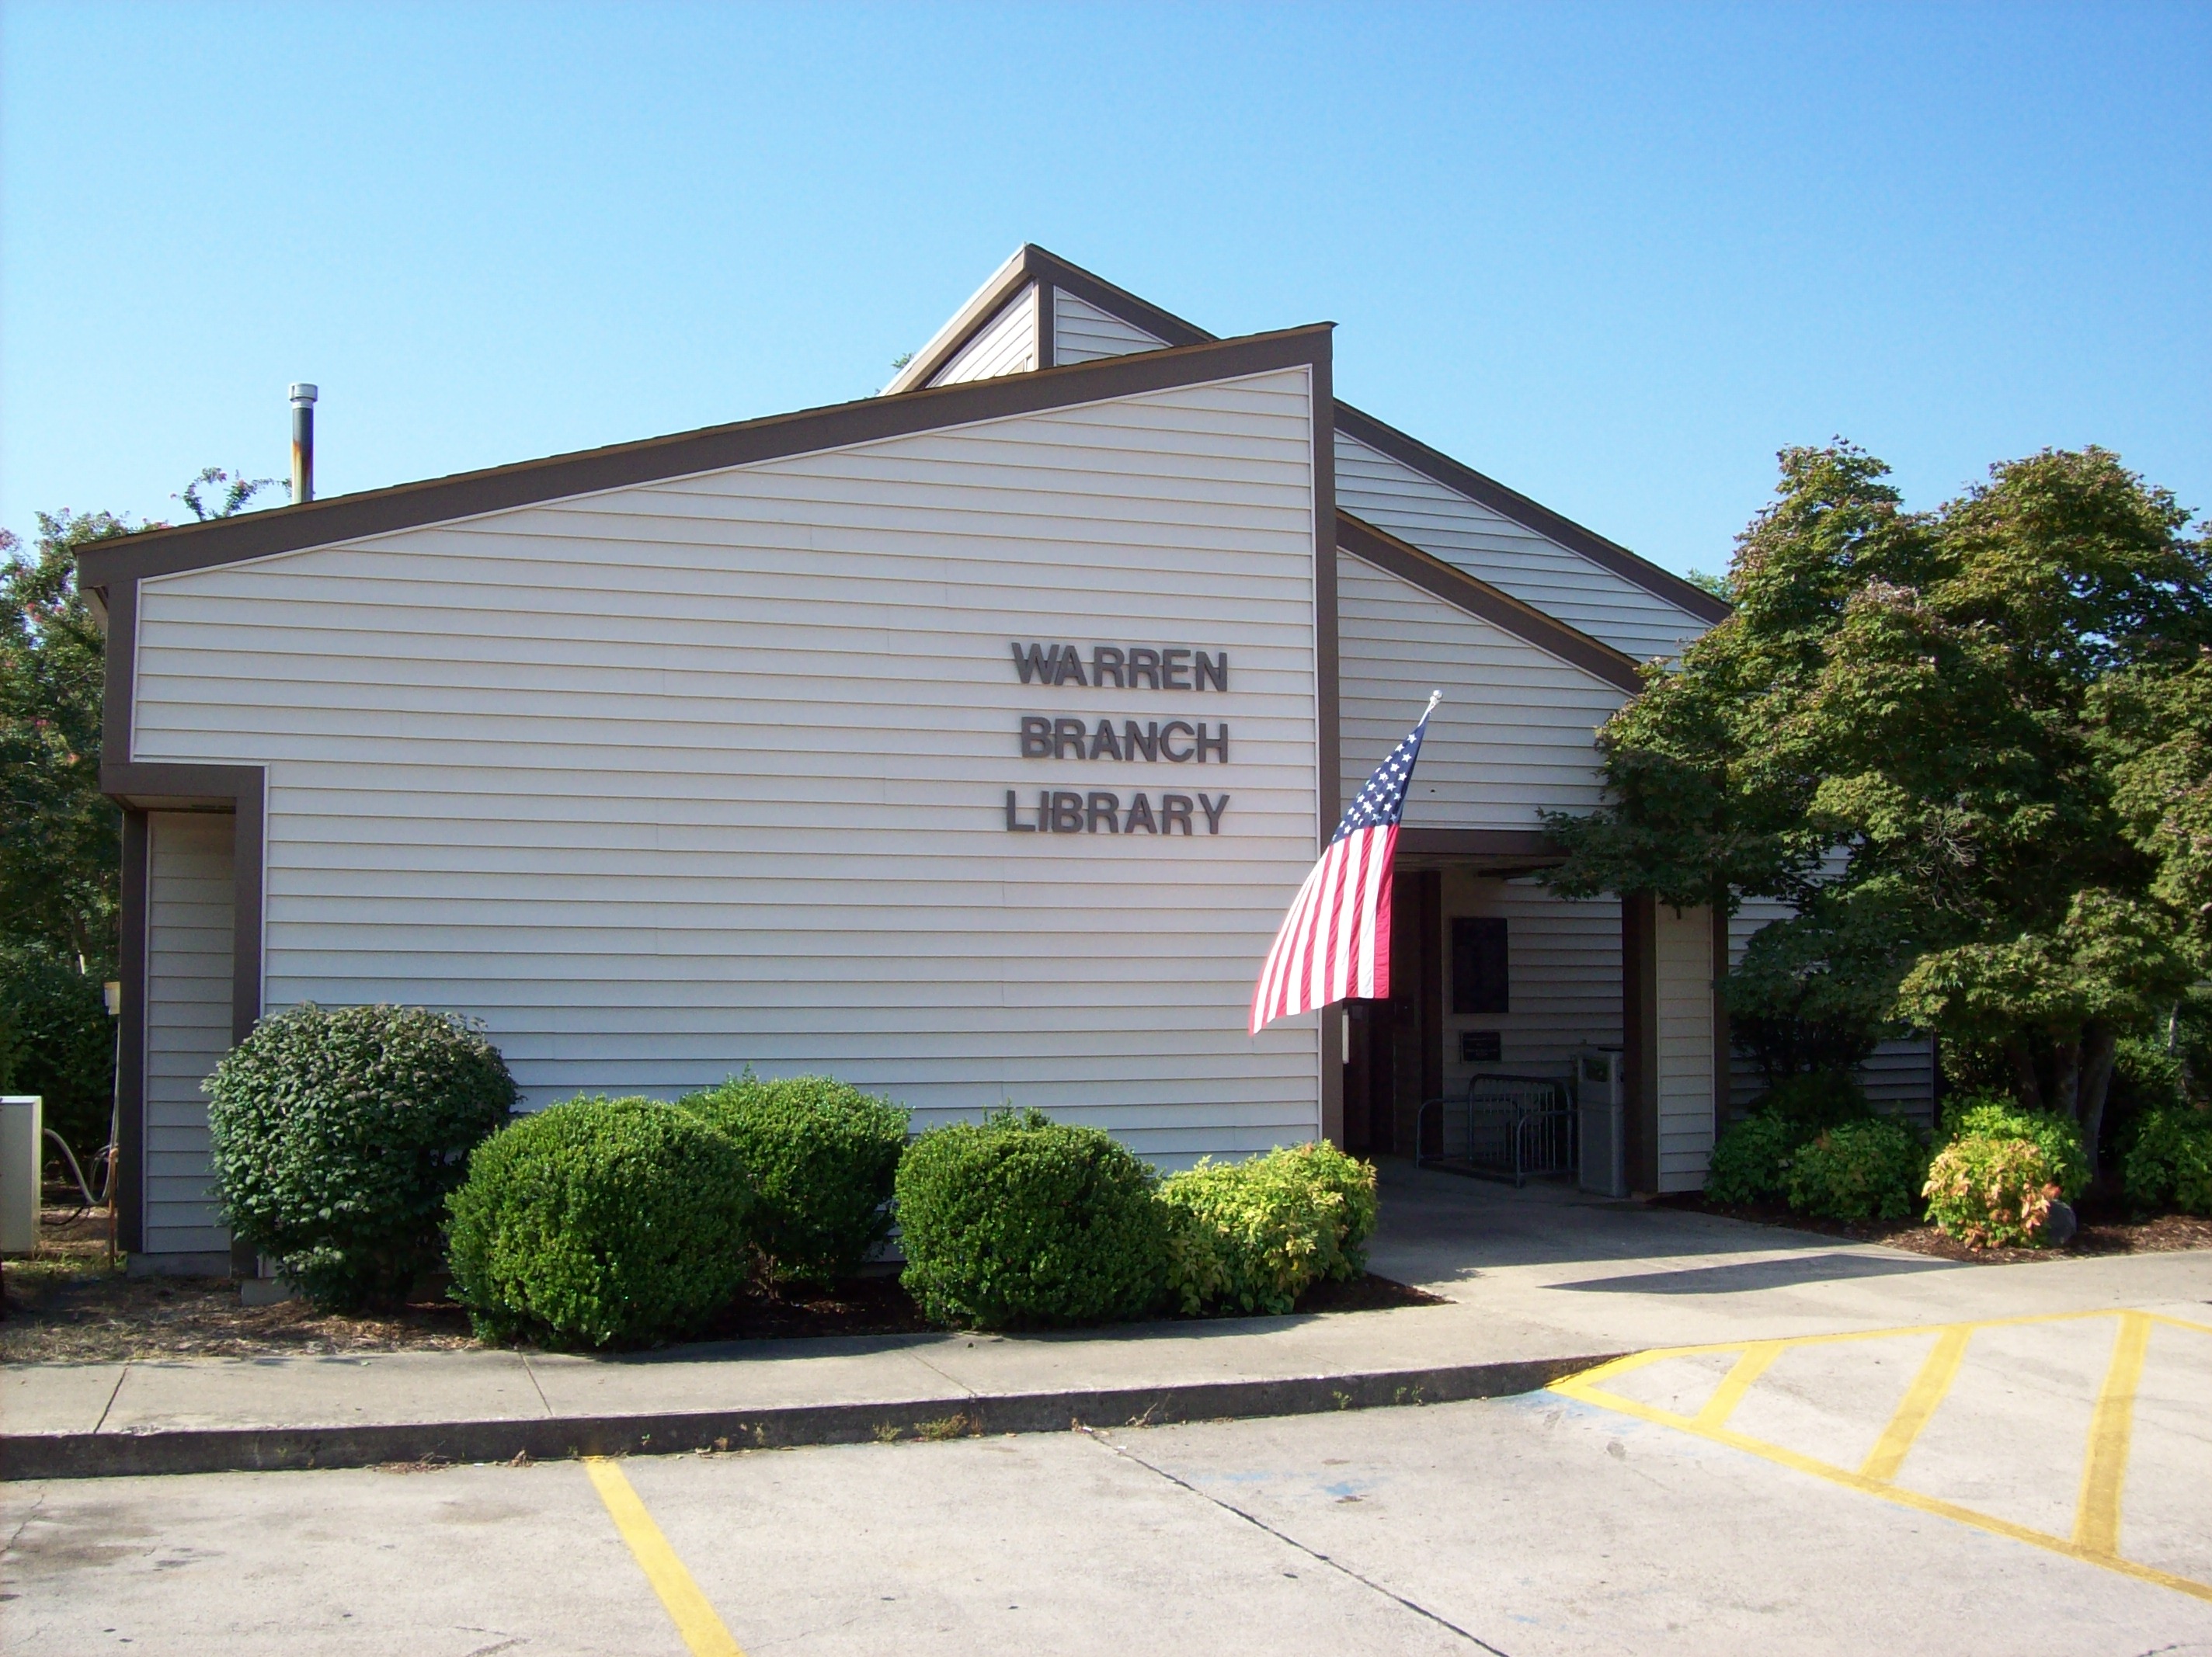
(1540, 1283)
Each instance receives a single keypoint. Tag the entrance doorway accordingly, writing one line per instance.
(1394, 1050)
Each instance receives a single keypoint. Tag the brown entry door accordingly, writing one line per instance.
(1394, 1059)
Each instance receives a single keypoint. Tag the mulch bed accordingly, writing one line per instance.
(65, 1306)
(2106, 1229)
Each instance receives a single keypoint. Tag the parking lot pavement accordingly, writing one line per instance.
(2028, 1486)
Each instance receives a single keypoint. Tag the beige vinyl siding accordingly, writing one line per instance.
(1515, 734)
(666, 781)
(1562, 975)
(1006, 344)
(1685, 956)
(1534, 569)
(188, 986)
(1081, 332)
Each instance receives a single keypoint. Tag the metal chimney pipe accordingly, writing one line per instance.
(303, 443)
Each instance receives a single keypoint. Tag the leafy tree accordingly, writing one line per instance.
(60, 838)
(60, 847)
(1969, 744)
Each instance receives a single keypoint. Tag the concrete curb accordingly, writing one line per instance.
(29, 1456)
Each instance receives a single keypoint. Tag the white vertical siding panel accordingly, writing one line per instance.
(1685, 955)
(1562, 975)
(188, 983)
(1534, 568)
(1006, 344)
(1516, 734)
(666, 781)
(1081, 332)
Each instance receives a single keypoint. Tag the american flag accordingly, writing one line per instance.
(1335, 942)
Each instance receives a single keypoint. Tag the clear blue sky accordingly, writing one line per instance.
(1612, 256)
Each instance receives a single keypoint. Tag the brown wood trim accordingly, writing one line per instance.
(1510, 503)
(1047, 270)
(1033, 263)
(1478, 843)
(114, 568)
(951, 337)
(1429, 884)
(1163, 325)
(1639, 1029)
(1047, 350)
(1328, 687)
(131, 1044)
(240, 791)
(108, 565)
(1477, 597)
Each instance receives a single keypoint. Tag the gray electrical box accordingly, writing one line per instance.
(22, 1125)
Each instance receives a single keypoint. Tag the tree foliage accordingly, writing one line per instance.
(1970, 745)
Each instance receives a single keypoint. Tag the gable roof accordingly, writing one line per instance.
(1035, 265)
(170, 551)
(1434, 576)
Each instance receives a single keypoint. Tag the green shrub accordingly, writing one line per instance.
(822, 1156)
(1021, 1220)
(600, 1223)
(2170, 1164)
(1997, 1116)
(1256, 1234)
(338, 1135)
(1815, 1100)
(1990, 1192)
(1751, 1160)
(1867, 1170)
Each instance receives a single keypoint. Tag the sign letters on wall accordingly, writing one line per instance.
(1121, 741)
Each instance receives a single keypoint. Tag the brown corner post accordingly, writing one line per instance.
(1640, 1028)
(1429, 885)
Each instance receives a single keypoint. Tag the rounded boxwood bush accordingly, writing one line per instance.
(1869, 1170)
(1751, 1159)
(600, 1223)
(1997, 1116)
(338, 1135)
(2169, 1165)
(1019, 1219)
(823, 1156)
(1256, 1234)
(1990, 1192)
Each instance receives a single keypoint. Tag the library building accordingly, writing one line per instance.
(967, 742)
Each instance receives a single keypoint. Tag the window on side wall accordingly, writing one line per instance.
(1478, 977)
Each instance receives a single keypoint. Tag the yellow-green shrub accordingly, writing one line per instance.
(1990, 1192)
(1254, 1235)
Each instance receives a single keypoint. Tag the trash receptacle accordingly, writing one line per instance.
(1601, 1103)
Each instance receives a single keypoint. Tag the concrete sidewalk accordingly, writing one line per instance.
(1539, 1282)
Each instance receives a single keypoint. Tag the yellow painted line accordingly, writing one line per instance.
(2097, 1516)
(1749, 1367)
(2120, 1383)
(695, 1618)
(1921, 1399)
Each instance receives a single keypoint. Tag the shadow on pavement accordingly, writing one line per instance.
(1755, 1274)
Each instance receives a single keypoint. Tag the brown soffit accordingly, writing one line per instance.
(349, 517)
(1477, 597)
(1034, 265)
(1532, 843)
